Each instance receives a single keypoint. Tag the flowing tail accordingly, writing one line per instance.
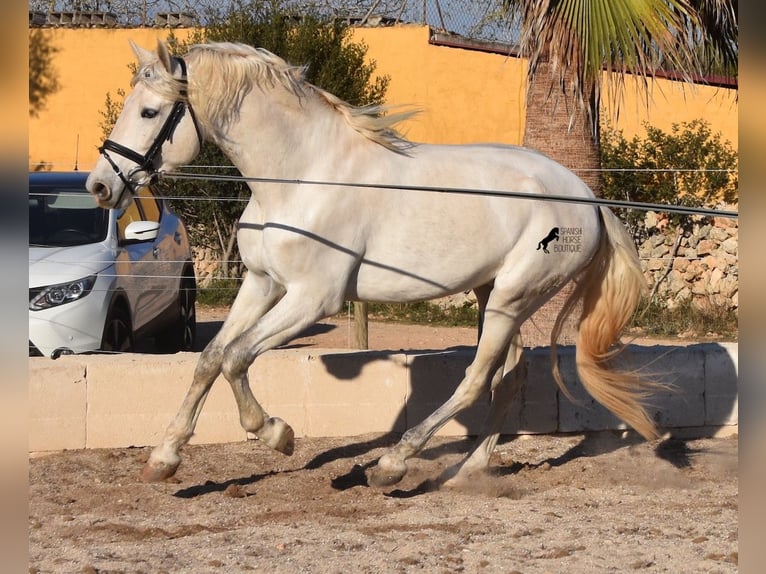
(610, 290)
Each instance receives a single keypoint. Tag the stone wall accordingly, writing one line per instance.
(206, 265)
(696, 262)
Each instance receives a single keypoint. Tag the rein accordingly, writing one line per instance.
(145, 162)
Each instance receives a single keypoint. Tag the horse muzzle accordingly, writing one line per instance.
(100, 191)
(105, 195)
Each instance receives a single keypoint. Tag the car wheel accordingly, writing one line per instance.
(188, 312)
(118, 334)
(182, 335)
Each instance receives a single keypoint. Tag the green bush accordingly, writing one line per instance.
(425, 313)
(689, 166)
(654, 319)
(219, 293)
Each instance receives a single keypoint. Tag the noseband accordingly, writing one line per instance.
(145, 163)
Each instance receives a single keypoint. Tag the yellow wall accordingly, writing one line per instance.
(466, 96)
(89, 64)
(674, 103)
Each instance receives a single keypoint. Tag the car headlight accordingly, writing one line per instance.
(55, 295)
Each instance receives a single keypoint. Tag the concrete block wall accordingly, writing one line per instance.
(92, 401)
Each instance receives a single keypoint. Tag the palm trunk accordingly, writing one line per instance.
(557, 127)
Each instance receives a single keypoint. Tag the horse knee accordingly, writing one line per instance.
(209, 363)
(234, 363)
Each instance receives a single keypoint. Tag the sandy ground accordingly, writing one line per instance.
(575, 504)
(338, 333)
(600, 502)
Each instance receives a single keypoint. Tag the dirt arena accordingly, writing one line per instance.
(600, 502)
(576, 504)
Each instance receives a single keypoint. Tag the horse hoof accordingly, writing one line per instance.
(278, 435)
(386, 473)
(459, 480)
(154, 471)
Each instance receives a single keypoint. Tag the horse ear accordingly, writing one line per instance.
(143, 56)
(164, 55)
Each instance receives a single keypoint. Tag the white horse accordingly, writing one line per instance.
(310, 247)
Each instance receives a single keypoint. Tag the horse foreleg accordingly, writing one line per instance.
(165, 458)
(296, 311)
(272, 431)
(256, 295)
(504, 390)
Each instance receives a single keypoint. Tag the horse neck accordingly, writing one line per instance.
(280, 136)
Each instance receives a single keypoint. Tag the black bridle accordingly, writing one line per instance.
(145, 163)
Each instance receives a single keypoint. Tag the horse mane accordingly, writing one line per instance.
(225, 72)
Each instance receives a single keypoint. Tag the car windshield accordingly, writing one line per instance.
(63, 217)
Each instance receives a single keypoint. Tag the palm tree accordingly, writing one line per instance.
(580, 51)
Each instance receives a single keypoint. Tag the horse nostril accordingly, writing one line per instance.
(102, 192)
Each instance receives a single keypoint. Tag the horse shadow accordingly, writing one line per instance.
(701, 400)
(210, 486)
(421, 401)
(698, 402)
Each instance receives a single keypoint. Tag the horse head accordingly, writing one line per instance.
(155, 131)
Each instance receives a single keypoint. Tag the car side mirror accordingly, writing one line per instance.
(139, 231)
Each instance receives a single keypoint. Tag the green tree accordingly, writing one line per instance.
(43, 79)
(322, 44)
(111, 112)
(690, 165)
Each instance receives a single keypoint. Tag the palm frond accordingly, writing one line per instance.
(590, 43)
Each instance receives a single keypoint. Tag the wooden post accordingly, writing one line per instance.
(360, 325)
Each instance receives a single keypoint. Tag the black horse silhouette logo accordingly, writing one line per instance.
(553, 234)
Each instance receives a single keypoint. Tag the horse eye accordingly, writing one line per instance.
(148, 113)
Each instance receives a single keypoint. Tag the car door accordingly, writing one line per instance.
(165, 254)
(150, 283)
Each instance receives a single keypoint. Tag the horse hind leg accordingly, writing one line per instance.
(255, 296)
(505, 388)
(498, 328)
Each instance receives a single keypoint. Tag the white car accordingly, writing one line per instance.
(102, 280)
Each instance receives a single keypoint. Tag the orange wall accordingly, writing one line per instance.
(466, 96)
(89, 64)
(676, 102)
